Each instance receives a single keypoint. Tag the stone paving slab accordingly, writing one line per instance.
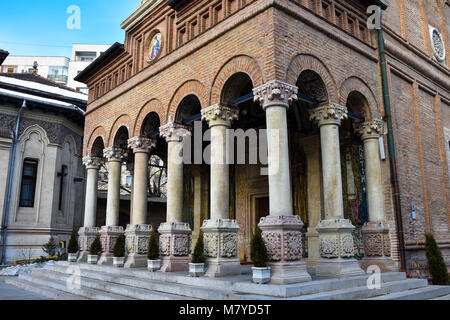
(9, 292)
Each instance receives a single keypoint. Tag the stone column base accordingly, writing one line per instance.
(136, 239)
(108, 237)
(313, 248)
(377, 247)
(283, 239)
(337, 249)
(220, 238)
(174, 245)
(85, 239)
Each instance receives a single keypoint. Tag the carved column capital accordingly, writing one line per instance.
(174, 132)
(275, 93)
(218, 114)
(141, 144)
(115, 154)
(370, 130)
(91, 162)
(330, 113)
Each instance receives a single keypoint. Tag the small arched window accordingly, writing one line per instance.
(28, 184)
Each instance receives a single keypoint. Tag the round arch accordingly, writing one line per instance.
(190, 87)
(98, 132)
(355, 84)
(154, 106)
(238, 64)
(123, 121)
(303, 62)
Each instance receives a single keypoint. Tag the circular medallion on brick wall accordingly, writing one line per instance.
(437, 44)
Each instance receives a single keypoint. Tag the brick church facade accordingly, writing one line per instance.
(364, 116)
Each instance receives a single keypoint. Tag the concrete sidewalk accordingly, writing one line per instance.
(8, 292)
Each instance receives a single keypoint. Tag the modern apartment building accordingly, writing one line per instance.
(58, 69)
(82, 56)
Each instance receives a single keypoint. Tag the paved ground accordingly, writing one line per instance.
(8, 292)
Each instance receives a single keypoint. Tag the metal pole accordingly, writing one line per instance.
(10, 180)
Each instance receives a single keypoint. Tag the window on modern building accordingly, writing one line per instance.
(128, 182)
(85, 56)
(28, 185)
(58, 73)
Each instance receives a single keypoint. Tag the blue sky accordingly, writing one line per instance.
(39, 27)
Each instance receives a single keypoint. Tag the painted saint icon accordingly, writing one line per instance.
(155, 46)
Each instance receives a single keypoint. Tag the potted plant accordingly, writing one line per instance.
(153, 261)
(197, 266)
(72, 248)
(94, 250)
(436, 263)
(260, 258)
(119, 252)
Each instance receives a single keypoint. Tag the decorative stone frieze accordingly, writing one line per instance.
(275, 93)
(174, 132)
(220, 238)
(137, 237)
(282, 236)
(370, 130)
(91, 162)
(141, 144)
(174, 245)
(219, 115)
(86, 235)
(114, 154)
(377, 246)
(330, 113)
(337, 249)
(108, 238)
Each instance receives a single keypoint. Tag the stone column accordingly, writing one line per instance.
(130, 168)
(175, 239)
(311, 145)
(89, 231)
(281, 229)
(138, 232)
(335, 233)
(111, 231)
(377, 246)
(220, 232)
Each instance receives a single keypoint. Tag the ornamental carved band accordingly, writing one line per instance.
(141, 144)
(92, 162)
(331, 113)
(376, 244)
(336, 239)
(137, 237)
(221, 245)
(370, 130)
(275, 93)
(114, 154)
(174, 245)
(174, 132)
(219, 115)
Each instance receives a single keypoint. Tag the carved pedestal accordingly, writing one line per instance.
(283, 239)
(220, 237)
(136, 239)
(337, 249)
(174, 245)
(85, 239)
(108, 237)
(377, 247)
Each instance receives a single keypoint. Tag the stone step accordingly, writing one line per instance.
(425, 293)
(241, 285)
(46, 292)
(360, 293)
(125, 291)
(158, 286)
(53, 283)
(446, 297)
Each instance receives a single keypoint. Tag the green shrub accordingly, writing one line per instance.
(73, 243)
(259, 254)
(199, 251)
(50, 247)
(119, 247)
(96, 246)
(436, 264)
(153, 246)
